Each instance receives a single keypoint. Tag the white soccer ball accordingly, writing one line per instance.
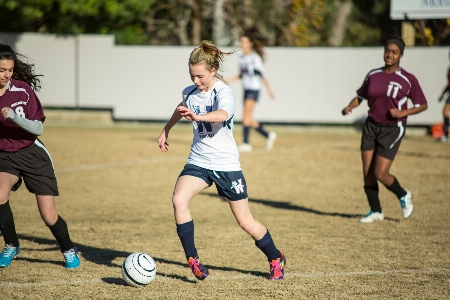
(138, 269)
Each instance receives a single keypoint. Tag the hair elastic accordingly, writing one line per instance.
(397, 42)
(6, 53)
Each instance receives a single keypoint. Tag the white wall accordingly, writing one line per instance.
(311, 85)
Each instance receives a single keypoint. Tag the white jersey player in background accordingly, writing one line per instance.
(252, 73)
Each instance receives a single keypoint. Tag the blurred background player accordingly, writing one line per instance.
(24, 157)
(387, 91)
(446, 110)
(252, 73)
(214, 158)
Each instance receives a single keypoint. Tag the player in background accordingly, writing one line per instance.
(387, 91)
(214, 158)
(252, 73)
(24, 157)
(446, 110)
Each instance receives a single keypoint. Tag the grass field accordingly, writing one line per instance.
(116, 190)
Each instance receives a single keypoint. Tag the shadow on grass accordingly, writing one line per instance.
(105, 256)
(288, 206)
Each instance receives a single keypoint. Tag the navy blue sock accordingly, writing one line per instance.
(261, 130)
(186, 234)
(7, 226)
(267, 246)
(372, 197)
(246, 133)
(396, 189)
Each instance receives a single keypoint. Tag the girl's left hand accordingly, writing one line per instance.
(395, 113)
(187, 113)
(5, 112)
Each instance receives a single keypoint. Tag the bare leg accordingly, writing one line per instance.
(248, 120)
(368, 159)
(381, 170)
(244, 217)
(6, 182)
(185, 189)
(47, 209)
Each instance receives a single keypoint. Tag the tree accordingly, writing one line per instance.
(123, 18)
(432, 32)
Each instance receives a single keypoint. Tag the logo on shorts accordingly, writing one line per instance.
(237, 186)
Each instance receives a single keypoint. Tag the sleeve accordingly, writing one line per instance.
(226, 102)
(361, 93)
(416, 94)
(33, 109)
(33, 127)
(258, 66)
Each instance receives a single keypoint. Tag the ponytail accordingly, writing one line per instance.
(210, 55)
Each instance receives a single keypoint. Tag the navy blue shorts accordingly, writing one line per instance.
(249, 94)
(230, 185)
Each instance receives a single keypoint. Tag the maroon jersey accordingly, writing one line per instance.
(21, 98)
(385, 91)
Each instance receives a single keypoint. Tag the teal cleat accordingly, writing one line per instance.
(8, 254)
(72, 259)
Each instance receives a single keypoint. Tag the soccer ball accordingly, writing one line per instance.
(138, 269)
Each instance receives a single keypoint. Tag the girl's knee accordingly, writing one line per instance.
(178, 201)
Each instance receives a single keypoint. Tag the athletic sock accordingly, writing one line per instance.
(372, 197)
(261, 130)
(396, 189)
(186, 234)
(446, 125)
(61, 234)
(267, 246)
(7, 226)
(246, 133)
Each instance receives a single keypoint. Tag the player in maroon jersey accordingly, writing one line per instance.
(387, 91)
(446, 110)
(24, 157)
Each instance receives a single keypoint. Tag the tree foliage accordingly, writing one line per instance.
(187, 22)
(121, 17)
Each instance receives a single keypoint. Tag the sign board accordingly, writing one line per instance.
(420, 9)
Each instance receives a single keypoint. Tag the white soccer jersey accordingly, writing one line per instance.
(213, 146)
(252, 70)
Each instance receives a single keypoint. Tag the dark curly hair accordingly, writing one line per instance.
(22, 70)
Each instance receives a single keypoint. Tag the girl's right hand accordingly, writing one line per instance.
(162, 141)
(346, 111)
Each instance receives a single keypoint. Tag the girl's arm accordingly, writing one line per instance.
(219, 115)
(353, 104)
(162, 140)
(407, 112)
(266, 83)
(33, 127)
(233, 79)
(443, 93)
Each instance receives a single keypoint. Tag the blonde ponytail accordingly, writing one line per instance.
(210, 55)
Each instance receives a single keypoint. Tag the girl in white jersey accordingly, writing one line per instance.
(214, 158)
(252, 73)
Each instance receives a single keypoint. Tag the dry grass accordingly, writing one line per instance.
(115, 195)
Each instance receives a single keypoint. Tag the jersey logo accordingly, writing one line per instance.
(204, 129)
(393, 89)
(237, 186)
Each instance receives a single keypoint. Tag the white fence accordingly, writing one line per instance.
(311, 85)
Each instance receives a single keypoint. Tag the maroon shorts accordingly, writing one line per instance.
(34, 165)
